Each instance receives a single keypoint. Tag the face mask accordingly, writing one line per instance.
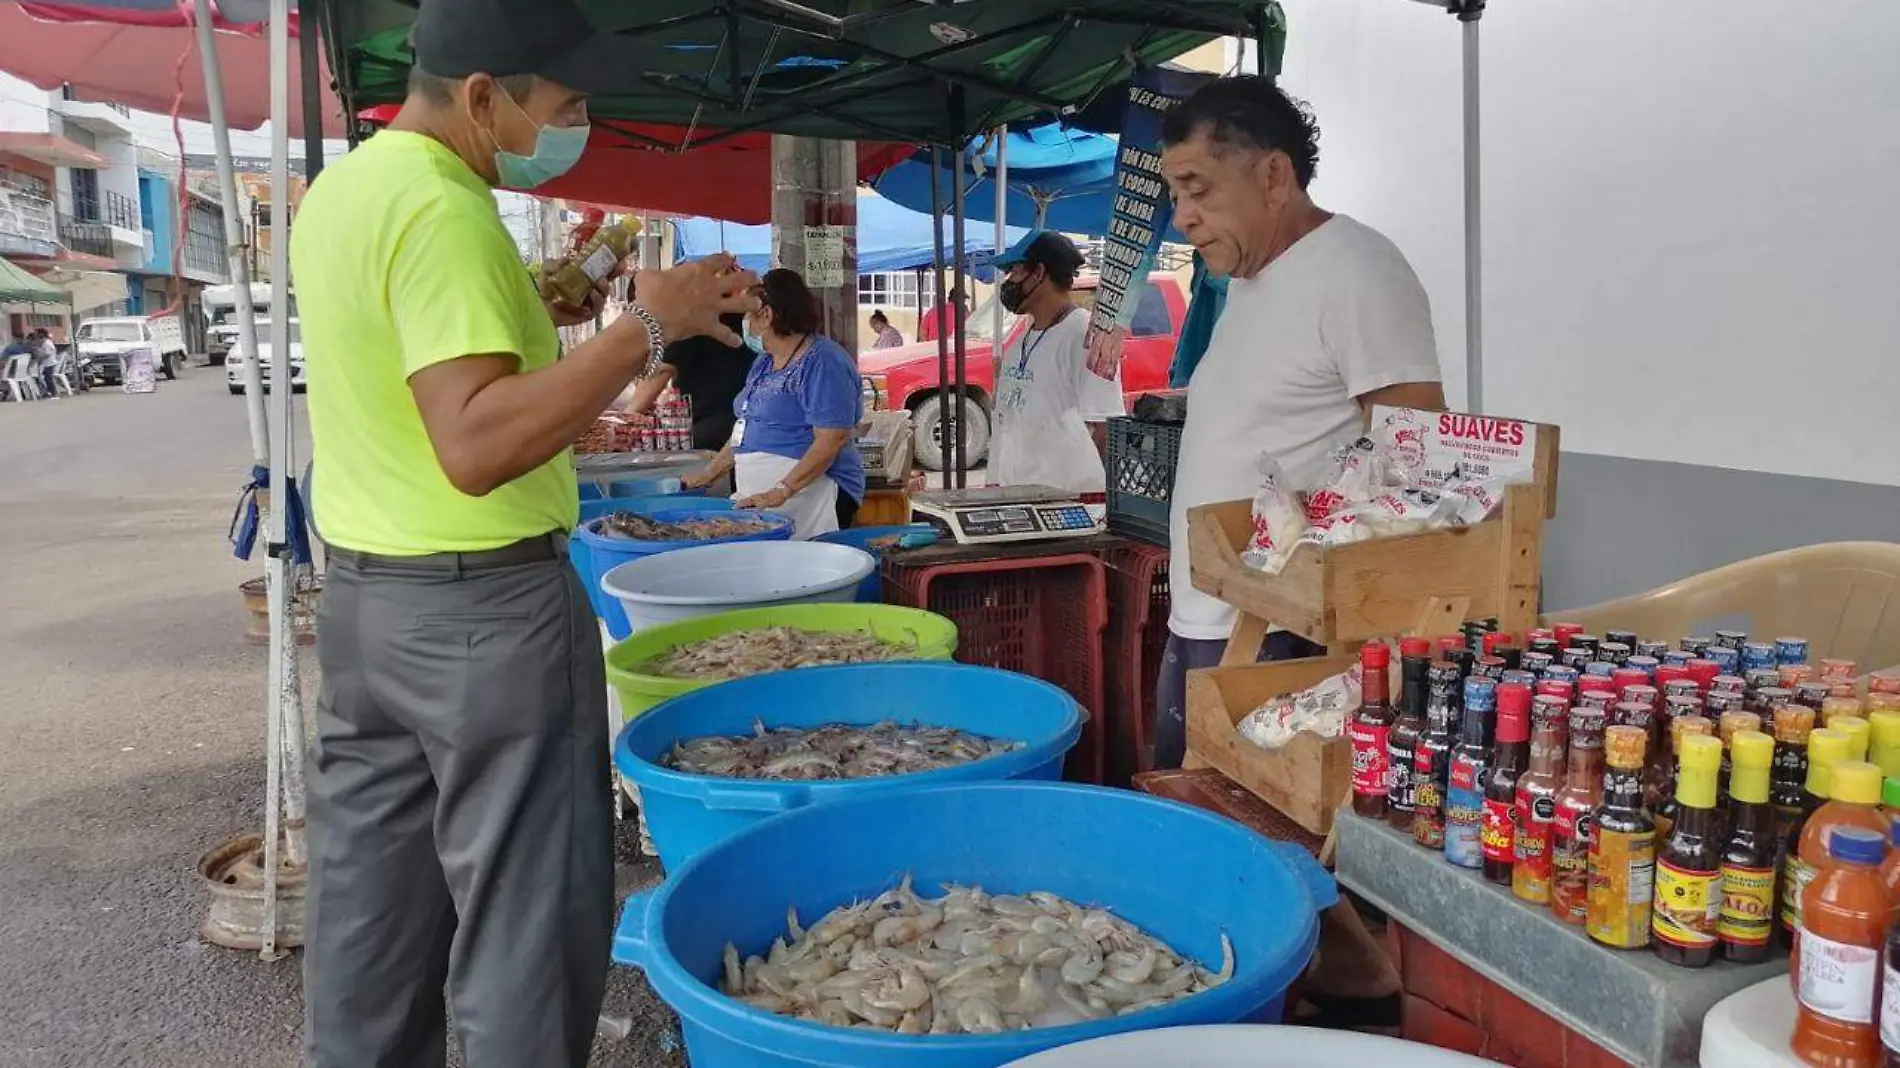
(1013, 294)
(556, 150)
(752, 340)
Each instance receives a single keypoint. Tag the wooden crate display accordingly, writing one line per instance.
(1303, 779)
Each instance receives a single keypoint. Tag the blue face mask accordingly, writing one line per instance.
(556, 150)
(752, 340)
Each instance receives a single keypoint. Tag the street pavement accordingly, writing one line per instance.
(131, 740)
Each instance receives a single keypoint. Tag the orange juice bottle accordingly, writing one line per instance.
(1853, 801)
(1837, 974)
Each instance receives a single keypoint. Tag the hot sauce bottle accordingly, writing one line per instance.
(1826, 748)
(1853, 800)
(1431, 764)
(1536, 802)
(1726, 728)
(1890, 978)
(1401, 742)
(1464, 796)
(1787, 779)
(1508, 760)
(1665, 810)
(1623, 846)
(1748, 857)
(1843, 936)
(1575, 824)
(1884, 749)
(1370, 727)
(1688, 898)
(1859, 734)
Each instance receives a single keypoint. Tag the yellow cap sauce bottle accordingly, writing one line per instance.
(1688, 899)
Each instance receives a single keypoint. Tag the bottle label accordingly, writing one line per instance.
(1748, 900)
(1838, 980)
(1398, 777)
(1796, 875)
(1890, 1010)
(1531, 862)
(1428, 802)
(599, 262)
(1464, 815)
(1368, 760)
(1570, 865)
(1622, 882)
(1688, 906)
(1499, 835)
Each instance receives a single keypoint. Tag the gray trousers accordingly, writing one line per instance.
(461, 832)
(1192, 654)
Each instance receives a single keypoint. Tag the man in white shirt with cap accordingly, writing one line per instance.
(1049, 407)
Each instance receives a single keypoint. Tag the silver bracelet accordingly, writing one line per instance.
(656, 339)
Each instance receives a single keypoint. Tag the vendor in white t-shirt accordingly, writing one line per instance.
(1324, 319)
(1049, 408)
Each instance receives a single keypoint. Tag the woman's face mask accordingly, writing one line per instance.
(751, 335)
(556, 150)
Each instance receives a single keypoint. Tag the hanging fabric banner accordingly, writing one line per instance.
(1141, 211)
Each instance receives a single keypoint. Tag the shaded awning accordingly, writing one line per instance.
(89, 289)
(50, 149)
(129, 51)
(890, 237)
(888, 70)
(21, 286)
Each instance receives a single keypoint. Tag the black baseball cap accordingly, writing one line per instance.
(1044, 248)
(549, 38)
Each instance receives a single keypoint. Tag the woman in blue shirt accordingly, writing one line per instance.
(792, 450)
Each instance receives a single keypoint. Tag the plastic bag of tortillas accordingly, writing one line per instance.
(1321, 710)
(1278, 520)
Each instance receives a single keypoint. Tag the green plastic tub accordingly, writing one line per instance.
(934, 636)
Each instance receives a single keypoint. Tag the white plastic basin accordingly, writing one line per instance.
(1246, 1046)
(685, 583)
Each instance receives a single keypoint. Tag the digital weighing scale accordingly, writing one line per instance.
(1004, 513)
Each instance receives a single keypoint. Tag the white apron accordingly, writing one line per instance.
(812, 510)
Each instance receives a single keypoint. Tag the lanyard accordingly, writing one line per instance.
(1023, 363)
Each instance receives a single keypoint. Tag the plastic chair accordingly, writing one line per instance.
(1844, 597)
(18, 380)
(63, 372)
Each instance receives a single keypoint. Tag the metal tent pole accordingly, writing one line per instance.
(1469, 14)
(1001, 178)
(237, 250)
(943, 334)
(310, 69)
(962, 369)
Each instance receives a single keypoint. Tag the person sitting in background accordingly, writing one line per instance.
(1050, 409)
(797, 413)
(887, 335)
(710, 373)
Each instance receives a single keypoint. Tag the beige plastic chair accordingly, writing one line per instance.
(1844, 597)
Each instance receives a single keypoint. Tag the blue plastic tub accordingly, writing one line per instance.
(1184, 874)
(871, 590)
(688, 814)
(594, 555)
(591, 489)
(694, 499)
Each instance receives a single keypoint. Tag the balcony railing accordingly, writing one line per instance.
(28, 217)
(90, 237)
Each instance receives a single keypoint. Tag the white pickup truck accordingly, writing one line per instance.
(102, 344)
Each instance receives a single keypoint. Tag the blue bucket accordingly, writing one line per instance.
(594, 554)
(694, 499)
(687, 814)
(871, 590)
(1180, 873)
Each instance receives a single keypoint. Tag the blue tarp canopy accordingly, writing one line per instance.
(890, 238)
(1059, 179)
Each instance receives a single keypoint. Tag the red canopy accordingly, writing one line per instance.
(133, 58)
(729, 180)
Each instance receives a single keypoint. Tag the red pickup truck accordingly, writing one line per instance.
(906, 376)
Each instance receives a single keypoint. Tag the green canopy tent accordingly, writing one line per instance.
(20, 286)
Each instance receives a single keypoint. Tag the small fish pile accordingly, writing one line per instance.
(646, 528)
(968, 962)
(761, 649)
(833, 751)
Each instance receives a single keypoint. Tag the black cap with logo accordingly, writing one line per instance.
(548, 38)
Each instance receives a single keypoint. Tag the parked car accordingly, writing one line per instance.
(235, 359)
(102, 344)
(906, 377)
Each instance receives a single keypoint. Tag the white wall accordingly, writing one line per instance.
(22, 105)
(1692, 213)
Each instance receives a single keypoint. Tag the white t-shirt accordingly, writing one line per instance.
(1336, 316)
(1045, 398)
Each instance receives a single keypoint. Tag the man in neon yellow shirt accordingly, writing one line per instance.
(461, 827)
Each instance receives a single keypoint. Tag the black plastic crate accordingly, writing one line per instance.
(1141, 461)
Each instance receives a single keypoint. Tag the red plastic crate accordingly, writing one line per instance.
(1041, 615)
(1133, 644)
